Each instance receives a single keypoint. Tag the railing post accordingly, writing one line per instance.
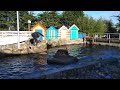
(119, 36)
(109, 38)
(99, 36)
(95, 37)
(107, 35)
(18, 37)
(2, 34)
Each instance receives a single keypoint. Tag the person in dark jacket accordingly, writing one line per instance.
(36, 37)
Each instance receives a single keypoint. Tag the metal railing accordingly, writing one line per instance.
(107, 37)
(15, 33)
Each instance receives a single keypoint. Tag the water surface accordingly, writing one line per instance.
(31, 66)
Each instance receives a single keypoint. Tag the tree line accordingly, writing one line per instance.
(86, 24)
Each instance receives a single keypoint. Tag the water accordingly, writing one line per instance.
(33, 66)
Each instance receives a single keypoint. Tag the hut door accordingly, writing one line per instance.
(40, 31)
(52, 34)
(73, 35)
(63, 33)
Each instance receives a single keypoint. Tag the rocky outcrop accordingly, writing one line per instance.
(28, 48)
(53, 43)
(25, 48)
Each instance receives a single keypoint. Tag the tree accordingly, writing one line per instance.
(70, 17)
(8, 20)
(49, 18)
(100, 26)
(118, 24)
(24, 17)
(90, 25)
(109, 26)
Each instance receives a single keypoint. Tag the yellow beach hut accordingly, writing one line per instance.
(39, 28)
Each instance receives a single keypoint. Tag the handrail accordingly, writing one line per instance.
(108, 36)
(14, 33)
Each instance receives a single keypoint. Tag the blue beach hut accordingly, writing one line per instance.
(73, 32)
(51, 33)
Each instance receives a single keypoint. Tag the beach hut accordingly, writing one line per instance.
(63, 32)
(51, 33)
(39, 28)
(73, 32)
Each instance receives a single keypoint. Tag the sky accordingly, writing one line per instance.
(97, 14)
(109, 15)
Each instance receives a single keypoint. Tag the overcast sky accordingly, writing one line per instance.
(97, 14)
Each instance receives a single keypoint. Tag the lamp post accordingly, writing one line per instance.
(18, 29)
(29, 22)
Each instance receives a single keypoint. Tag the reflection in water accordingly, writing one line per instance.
(17, 67)
(41, 59)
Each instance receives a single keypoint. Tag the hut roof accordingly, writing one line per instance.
(74, 26)
(39, 25)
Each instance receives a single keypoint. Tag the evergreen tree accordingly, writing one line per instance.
(49, 18)
(8, 20)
